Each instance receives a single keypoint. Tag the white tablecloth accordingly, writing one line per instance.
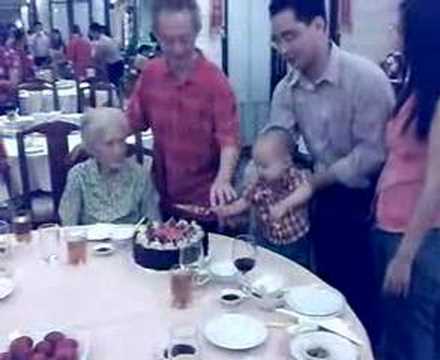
(127, 309)
(42, 101)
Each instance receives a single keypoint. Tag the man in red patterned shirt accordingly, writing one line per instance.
(190, 107)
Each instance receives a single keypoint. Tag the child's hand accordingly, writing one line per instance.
(221, 211)
(278, 210)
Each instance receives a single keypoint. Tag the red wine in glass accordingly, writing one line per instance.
(244, 264)
(244, 254)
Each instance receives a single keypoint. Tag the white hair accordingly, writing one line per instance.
(98, 122)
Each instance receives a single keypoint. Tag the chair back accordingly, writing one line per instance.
(93, 87)
(56, 134)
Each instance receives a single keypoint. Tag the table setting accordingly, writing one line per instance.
(240, 301)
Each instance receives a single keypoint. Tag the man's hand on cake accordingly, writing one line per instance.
(222, 193)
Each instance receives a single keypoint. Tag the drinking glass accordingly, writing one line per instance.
(49, 242)
(181, 287)
(244, 255)
(184, 343)
(76, 242)
(191, 255)
(22, 226)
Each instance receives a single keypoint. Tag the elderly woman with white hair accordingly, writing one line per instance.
(108, 187)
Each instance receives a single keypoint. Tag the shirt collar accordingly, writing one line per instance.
(330, 75)
(192, 78)
(98, 174)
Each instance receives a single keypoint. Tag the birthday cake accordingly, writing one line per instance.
(157, 246)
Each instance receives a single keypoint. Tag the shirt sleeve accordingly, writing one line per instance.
(70, 51)
(373, 106)
(138, 105)
(227, 125)
(281, 110)
(71, 201)
(150, 199)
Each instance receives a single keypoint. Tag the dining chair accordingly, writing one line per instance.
(43, 206)
(93, 87)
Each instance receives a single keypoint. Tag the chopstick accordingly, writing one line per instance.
(278, 325)
(139, 223)
(291, 314)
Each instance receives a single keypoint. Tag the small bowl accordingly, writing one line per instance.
(231, 297)
(103, 249)
(223, 271)
(268, 302)
(99, 232)
(122, 236)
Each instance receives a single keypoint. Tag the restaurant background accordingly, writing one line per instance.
(241, 47)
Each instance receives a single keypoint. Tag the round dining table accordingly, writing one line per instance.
(126, 310)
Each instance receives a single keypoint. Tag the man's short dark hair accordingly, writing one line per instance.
(96, 27)
(76, 29)
(305, 10)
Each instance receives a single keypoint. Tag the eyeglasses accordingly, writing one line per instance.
(285, 38)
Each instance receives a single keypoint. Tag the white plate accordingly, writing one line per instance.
(99, 232)
(103, 249)
(315, 301)
(7, 286)
(337, 347)
(83, 338)
(235, 332)
(121, 233)
(223, 270)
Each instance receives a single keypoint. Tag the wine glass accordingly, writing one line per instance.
(184, 343)
(244, 255)
(191, 255)
(49, 242)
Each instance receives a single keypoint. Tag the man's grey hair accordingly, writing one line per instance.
(97, 122)
(170, 6)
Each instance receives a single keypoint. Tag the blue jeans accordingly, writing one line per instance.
(298, 251)
(411, 325)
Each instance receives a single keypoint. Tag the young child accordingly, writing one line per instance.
(280, 227)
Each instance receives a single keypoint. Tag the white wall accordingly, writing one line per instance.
(249, 62)
(372, 36)
(210, 44)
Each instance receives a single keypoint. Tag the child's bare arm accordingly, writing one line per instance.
(295, 200)
(235, 208)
